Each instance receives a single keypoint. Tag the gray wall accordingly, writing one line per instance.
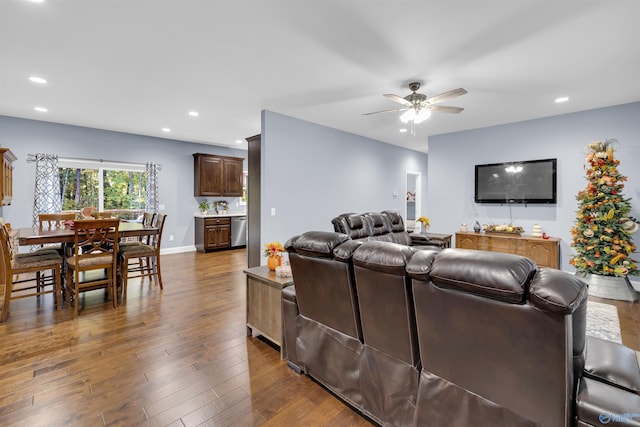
(452, 158)
(175, 179)
(312, 173)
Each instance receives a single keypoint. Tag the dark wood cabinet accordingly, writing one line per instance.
(212, 233)
(217, 175)
(545, 252)
(6, 176)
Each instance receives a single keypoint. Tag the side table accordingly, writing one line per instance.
(443, 239)
(264, 303)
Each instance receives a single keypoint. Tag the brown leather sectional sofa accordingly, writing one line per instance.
(385, 226)
(451, 337)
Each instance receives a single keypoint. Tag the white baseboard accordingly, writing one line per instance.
(177, 250)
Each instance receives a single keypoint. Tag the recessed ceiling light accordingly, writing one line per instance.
(562, 99)
(36, 1)
(36, 79)
(194, 113)
(166, 130)
(403, 130)
(41, 109)
(239, 141)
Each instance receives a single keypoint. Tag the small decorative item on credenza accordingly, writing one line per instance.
(536, 231)
(424, 224)
(284, 269)
(505, 229)
(274, 252)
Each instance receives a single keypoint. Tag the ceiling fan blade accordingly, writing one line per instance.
(398, 99)
(445, 109)
(386, 111)
(446, 95)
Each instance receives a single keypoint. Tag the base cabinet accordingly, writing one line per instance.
(544, 252)
(212, 233)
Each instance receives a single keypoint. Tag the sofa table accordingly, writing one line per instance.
(264, 303)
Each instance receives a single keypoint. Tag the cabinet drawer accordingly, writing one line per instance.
(217, 221)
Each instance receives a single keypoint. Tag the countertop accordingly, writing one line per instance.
(215, 215)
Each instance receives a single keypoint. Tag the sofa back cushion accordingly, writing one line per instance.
(379, 224)
(356, 226)
(323, 279)
(395, 221)
(385, 299)
(504, 277)
(499, 330)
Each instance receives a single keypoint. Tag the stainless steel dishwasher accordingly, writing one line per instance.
(238, 231)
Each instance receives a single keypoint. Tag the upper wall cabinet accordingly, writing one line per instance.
(217, 175)
(6, 176)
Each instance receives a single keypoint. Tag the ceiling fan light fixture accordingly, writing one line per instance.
(408, 115)
(422, 115)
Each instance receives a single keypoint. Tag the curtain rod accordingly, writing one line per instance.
(33, 156)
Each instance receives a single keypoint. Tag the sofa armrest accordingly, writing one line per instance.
(418, 239)
(612, 363)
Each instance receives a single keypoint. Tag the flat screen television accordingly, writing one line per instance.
(531, 181)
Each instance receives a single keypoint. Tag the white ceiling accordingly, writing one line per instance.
(140, 65)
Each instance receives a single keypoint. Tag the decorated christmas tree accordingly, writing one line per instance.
(602, 233)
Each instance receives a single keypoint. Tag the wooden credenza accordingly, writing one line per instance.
(545, 252)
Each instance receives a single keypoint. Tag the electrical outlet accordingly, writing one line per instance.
(273, 211)
(171, 238)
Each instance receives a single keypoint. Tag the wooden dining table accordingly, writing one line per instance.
(34, 236)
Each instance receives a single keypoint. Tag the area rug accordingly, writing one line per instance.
(603, 322)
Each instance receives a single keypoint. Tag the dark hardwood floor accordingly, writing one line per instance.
(178, 357)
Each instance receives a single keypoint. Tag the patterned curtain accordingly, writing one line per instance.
(152, 202)
(46, 197)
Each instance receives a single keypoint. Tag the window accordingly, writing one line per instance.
(243, 199)
(119, 188)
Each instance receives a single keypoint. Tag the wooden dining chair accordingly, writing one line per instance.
(93, 264)
(148, 257)
(54, 221)
(102, 215)
(86, 212)
(34, 266)
(148, 220)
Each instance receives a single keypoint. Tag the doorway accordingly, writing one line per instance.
(413, 193)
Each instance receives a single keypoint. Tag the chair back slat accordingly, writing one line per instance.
(49, 221)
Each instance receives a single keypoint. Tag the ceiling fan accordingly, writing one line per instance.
(417, 107)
